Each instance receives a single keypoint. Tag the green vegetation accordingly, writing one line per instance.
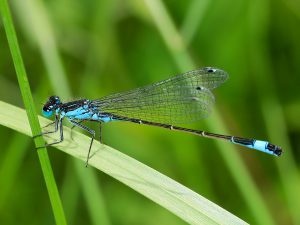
(92, 48)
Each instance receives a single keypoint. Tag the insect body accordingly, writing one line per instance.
(183, 98)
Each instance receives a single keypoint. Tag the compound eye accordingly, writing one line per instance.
(210, 70)
(47, 112)
(46, 109)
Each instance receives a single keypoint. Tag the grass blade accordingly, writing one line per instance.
(173, 196)
(32, 116)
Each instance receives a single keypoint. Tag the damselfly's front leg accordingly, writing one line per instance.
(60, 125)
(50, 132)
(92, 132)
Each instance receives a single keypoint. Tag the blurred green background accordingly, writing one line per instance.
(93, 48)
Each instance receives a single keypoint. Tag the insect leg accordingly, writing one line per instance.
(92, 132)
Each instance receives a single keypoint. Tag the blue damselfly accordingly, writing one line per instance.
(180, 99)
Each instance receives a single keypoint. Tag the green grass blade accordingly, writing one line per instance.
(173, 196)
(32, 116)
(37, 25)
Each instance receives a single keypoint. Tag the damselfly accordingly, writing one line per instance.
(184, 98)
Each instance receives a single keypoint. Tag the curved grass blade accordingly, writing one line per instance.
(166, 192)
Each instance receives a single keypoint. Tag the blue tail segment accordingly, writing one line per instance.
(262, 146)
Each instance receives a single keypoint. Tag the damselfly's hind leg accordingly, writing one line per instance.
(100, 129)
(49, 124)
(71, 132)
(92, 132)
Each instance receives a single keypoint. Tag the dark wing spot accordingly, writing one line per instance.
(199, 88)
(210, 70)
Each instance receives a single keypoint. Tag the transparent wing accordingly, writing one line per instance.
(184, 98)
